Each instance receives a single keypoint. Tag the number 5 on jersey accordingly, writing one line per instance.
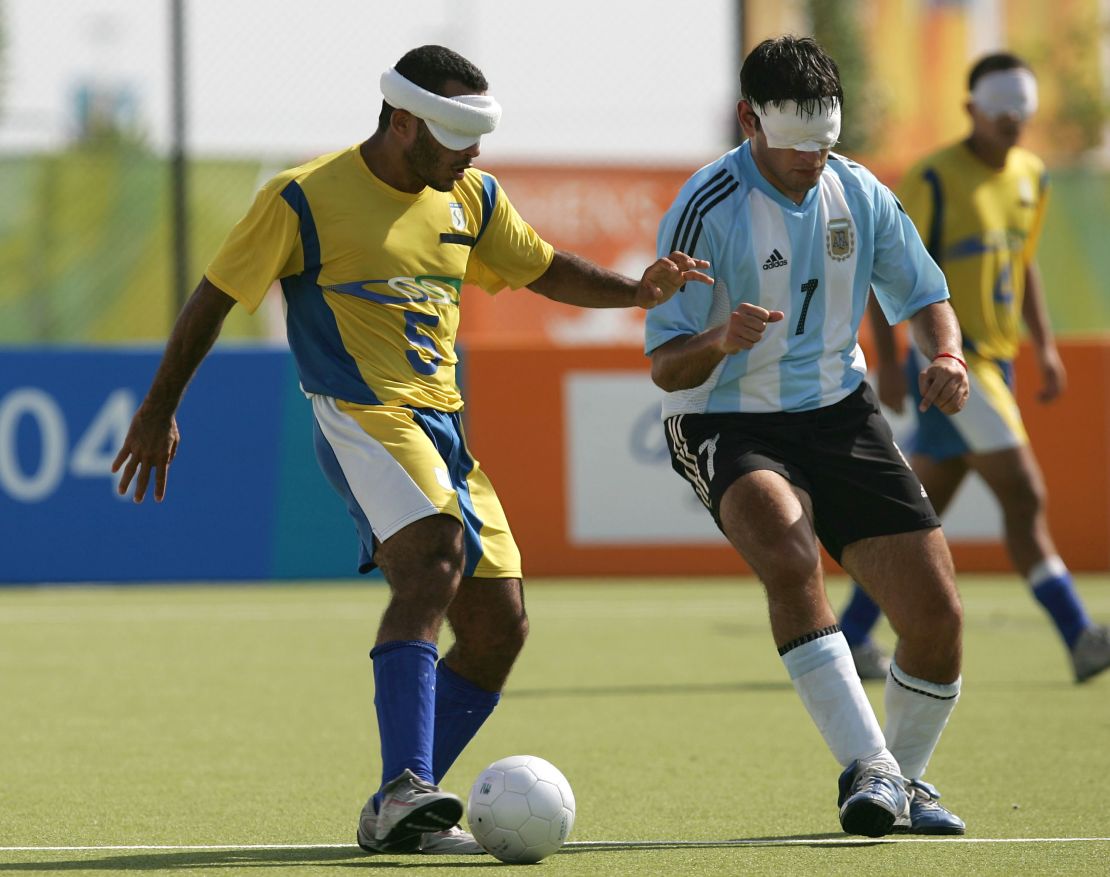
(414, 319)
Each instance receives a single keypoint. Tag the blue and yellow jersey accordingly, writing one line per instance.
(372, 276)
(981, 225)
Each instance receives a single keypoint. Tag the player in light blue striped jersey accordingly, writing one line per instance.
(769, 418)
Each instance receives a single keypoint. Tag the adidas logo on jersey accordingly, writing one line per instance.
(775, 260)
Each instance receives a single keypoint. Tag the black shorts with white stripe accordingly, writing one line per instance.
(843, 456)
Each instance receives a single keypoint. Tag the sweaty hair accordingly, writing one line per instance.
(992, 64)
(432, 67)
(790, 68)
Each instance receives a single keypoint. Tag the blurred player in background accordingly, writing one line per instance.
(372, 246)
(979, 204)
(769, 418)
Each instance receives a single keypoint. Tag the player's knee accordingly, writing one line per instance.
(792, 561)
(489, 627)
(444, 563)
(428, 553)
(947, 618)
(486, 655)
(514, 636)
(1025, 502)
(506, 637)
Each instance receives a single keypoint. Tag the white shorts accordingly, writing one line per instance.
(396, 465)
(990, 421)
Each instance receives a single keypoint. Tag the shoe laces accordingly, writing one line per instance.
(872, 774)
(924, 795)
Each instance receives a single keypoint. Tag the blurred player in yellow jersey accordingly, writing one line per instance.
(372, 246)
(979, 205)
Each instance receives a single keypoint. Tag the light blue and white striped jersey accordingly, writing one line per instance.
(815, 262)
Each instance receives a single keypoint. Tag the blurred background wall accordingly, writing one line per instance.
(133, 134)
(632, 95)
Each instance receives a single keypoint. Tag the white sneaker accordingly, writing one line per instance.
(413, 804)
(1091, 654)
(452, 842)
(871, 661)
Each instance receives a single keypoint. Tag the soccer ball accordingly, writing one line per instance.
(520, 809)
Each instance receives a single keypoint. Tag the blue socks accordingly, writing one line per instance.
(427, 713)
(404, 697)
(858, 617)
(461, 708)
(1052, 586)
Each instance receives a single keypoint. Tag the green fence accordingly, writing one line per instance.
(85, 244)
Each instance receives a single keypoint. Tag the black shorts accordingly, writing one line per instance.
(842, 455)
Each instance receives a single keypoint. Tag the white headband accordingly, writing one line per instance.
(456, 122)
(787, 127)
(1010, 92)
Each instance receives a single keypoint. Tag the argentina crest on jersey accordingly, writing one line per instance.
(840, 239)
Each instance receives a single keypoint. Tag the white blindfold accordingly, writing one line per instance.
(1006, 93)
(456, 122)
(789, 127)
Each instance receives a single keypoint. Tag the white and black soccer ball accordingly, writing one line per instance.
(520, 809)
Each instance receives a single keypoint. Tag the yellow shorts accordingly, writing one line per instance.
(990, 421)
(396, 465)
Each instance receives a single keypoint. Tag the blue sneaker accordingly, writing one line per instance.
(872, 797)
(926, 816)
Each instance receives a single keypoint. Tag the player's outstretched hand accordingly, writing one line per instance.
(1054, 377)
(664, 277)
(150, 447)
(944, 384)
(745, 327)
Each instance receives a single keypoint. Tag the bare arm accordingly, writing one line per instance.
(892, 379)
(1034, 311)
(689, 360)
(152, 440)
(576, 281)
(944, 382)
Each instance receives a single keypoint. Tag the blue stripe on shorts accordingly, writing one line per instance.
(445, 431)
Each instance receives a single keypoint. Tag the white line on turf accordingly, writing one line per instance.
(584, 844)
(821, 841)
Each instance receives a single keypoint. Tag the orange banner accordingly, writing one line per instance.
(573, 443)
(607, 214)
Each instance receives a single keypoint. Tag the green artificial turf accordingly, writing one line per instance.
(239, 716)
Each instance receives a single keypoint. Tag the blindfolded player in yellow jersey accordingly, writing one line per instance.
(373, 246)
(979, 205)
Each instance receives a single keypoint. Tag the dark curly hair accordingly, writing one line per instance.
(790, 68)
(432, 67)
(992, 64)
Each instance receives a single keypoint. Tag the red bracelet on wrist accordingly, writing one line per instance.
(951, 356)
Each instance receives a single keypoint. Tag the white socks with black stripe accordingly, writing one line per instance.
(825, 678)
(916, 713)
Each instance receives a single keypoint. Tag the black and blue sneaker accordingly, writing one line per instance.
(926, 816)
(872, 797)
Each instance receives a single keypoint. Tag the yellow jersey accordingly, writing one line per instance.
(372, 277)
(981, 225)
